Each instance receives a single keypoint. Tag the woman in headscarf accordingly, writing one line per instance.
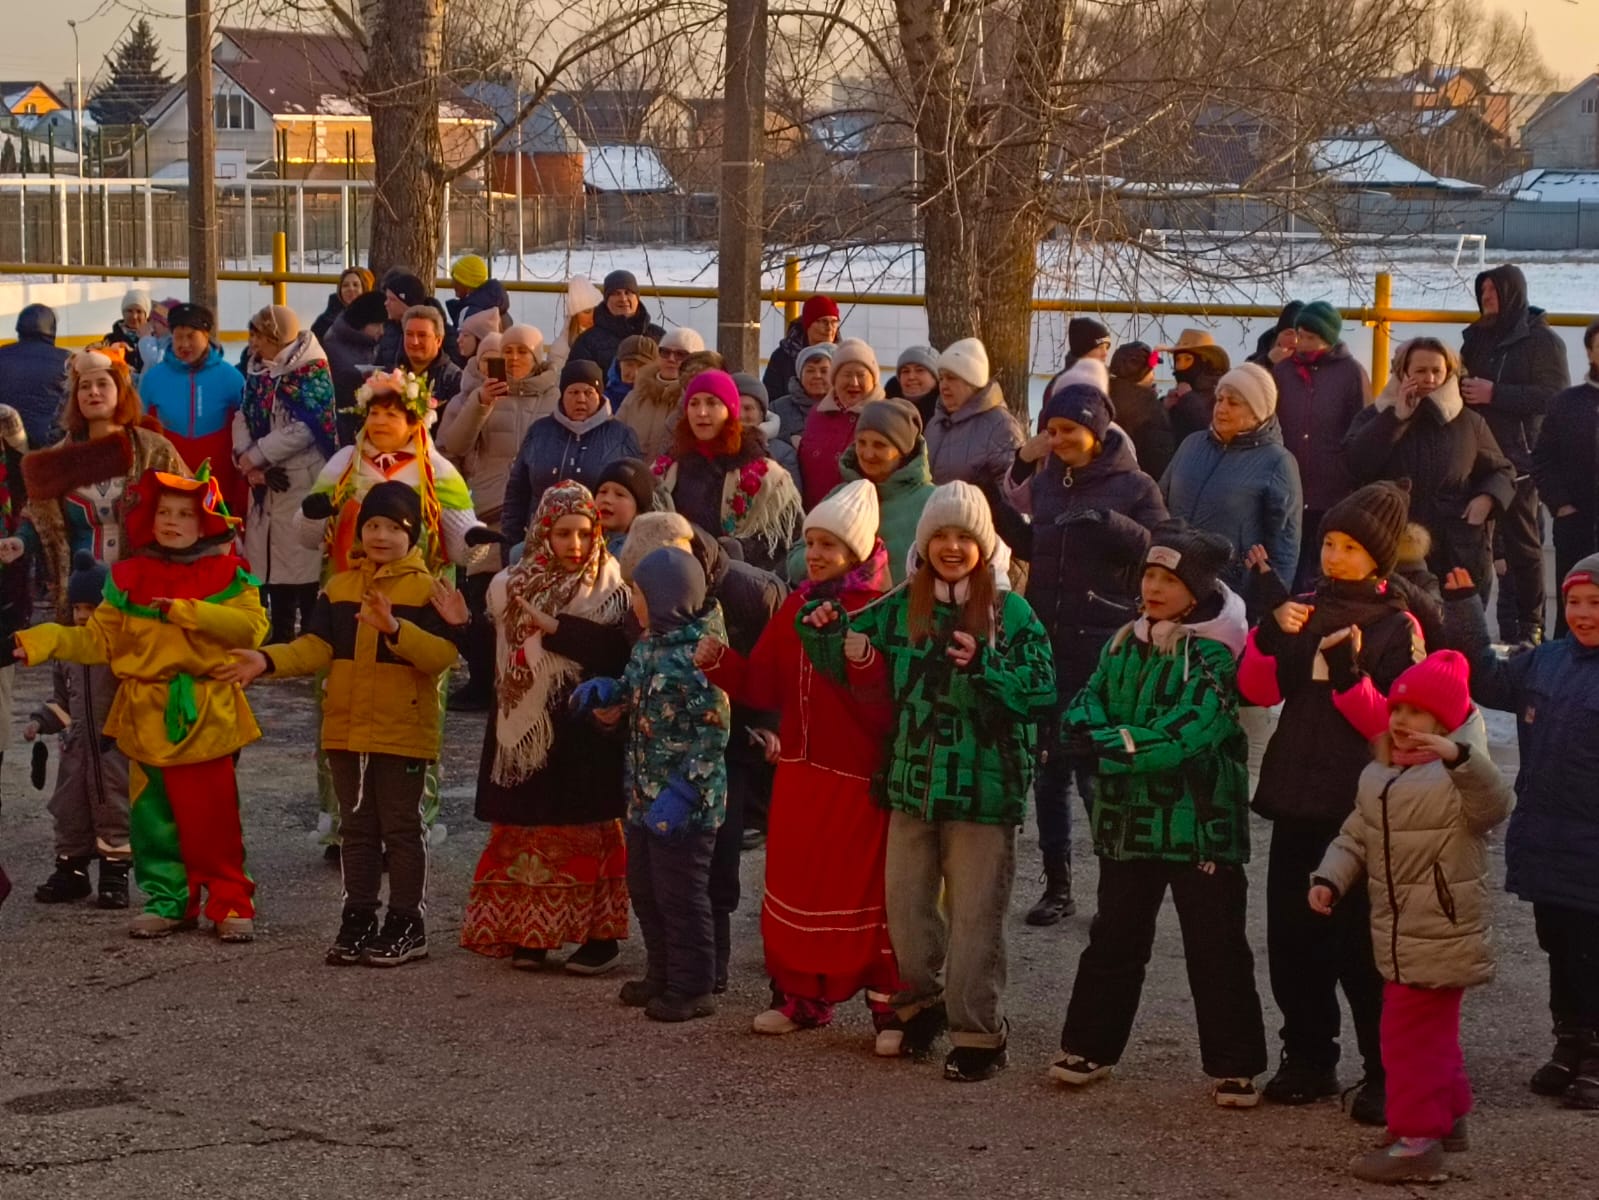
(550, 782)
(283, 433)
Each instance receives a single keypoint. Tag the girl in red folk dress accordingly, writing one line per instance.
(823, 921)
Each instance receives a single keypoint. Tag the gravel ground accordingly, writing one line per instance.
(188, 1068)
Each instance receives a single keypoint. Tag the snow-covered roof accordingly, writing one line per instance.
(1541, 183)
(626, 168)
(1372, 163)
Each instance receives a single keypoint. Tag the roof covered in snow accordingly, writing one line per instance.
(631, 169)
(1541, 183)
(1372, 163)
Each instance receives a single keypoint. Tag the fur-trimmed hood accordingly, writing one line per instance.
(1446, 403)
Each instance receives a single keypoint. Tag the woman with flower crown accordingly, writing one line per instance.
(392, 445)
(719, 476)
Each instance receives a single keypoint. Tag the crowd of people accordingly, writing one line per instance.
(858, 616)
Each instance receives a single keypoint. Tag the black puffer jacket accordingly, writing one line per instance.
(1313, 762)
(1522, 357)
(600, 342)
(1450, 456)
(1085, 546)
(1139, 411)
(1565, 464)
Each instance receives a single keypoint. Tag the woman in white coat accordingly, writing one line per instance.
(282, 435)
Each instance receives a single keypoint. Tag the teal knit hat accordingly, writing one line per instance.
(1321, 319)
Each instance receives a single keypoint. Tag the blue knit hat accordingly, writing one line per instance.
(86, 584)
(1082, 404)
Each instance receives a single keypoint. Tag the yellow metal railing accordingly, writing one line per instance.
(1379, 314)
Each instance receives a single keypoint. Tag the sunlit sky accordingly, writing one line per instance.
(39, 43)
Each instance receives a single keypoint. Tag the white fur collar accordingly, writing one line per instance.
(1446, 399)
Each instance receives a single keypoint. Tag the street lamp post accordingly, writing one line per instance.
(77, 125)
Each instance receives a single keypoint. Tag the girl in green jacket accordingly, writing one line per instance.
(970, 673)
(1158, 722)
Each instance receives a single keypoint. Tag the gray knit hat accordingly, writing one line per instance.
(957, 505)
(894, 418)
(649, 532)
(918, 356)
(820, 350)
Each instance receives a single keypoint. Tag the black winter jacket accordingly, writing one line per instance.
(1522, 357)
(1565, 464)
(1448, 460)
(1316, 403)
(33, 378)
(1140, 412)
(1085, 548)
(600, 342)
(1313, 762)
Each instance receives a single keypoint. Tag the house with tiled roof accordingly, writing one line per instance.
(288, 103)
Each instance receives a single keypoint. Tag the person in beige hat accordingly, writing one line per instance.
(1197, 363)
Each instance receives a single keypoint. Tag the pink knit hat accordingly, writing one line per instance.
(1438, 684)
(719, 384)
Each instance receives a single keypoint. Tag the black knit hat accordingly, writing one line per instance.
(1375, 516)
(86, 584)
(1193, 555)
(581, 370)
(191, 316)
(407, 287)
(1132, 361)
(366, 309)
(1083, 334)
(620, 281)
(633, 475)
(752, 388)
(396, 501)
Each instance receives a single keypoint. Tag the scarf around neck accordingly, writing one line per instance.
(528, 676)
(293, 379)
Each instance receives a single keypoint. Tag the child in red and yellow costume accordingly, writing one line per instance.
(170, 614)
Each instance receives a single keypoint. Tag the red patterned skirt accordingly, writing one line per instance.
(544, 886)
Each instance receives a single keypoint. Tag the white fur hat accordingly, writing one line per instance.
(1254, 385)
(685, 339)
(966, 359)
(1085, 370)
(581, 295)
(851, 515)
(957, 505)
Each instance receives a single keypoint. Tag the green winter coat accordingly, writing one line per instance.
(900, 500)
(677, 723)
(1173, 779)
(965, 739)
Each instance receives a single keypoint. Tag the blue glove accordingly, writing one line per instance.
(672, 806)
(595, 693)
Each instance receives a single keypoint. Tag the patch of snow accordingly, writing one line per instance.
(626, 168)
(1370, 162)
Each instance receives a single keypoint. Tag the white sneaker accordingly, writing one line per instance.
(774, 1022)
(1076, 1070)
(890, 1042)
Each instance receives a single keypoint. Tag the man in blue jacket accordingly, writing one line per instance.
(193, 391)
(33, 374)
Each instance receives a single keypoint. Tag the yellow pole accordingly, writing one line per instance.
(791, 283)
(280, 267)
(1380, 331)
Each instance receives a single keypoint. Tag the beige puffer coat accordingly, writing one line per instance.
(484, 439)
(651, 411)
(1420, 836)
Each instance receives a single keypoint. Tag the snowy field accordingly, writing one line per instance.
(1424, 277)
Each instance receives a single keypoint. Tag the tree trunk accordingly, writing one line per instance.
(404, 63)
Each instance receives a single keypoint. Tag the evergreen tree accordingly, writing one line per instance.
(134, 78)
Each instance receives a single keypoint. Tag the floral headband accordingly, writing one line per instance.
(414, 392)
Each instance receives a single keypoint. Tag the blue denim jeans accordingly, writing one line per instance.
(1052, 798)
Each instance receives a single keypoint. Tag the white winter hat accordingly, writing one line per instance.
(966, 359)
(685, 339)
(581, 295)
(137, 297)
(851, 515)
(1085, 370)
(957, 505)
(523, 335)
(855, 350)
(1254, 385)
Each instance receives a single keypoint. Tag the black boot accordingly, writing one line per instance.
(113, 883)
(1056, 903)
(1555, 1076)
(1584, 1090)
(69, 881)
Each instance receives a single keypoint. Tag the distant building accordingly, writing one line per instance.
(302, 88)
(543, 147)
(639, 116)
(1564, 131)
(28, 98)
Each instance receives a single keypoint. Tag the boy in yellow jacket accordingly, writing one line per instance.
(379, 632)
(170, 614)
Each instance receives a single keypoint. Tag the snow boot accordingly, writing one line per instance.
(69, 881)
(1056, 903)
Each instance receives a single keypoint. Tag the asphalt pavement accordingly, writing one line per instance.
(190, 1068)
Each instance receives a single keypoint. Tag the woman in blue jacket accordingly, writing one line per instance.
(1237, 480)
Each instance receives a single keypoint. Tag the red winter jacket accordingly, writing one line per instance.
(822, 723)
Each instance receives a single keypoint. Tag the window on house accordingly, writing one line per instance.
(1590, 106)
(30, 109)
(234, 111)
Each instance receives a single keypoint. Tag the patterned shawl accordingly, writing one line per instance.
(297, 378)
(528, 677)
